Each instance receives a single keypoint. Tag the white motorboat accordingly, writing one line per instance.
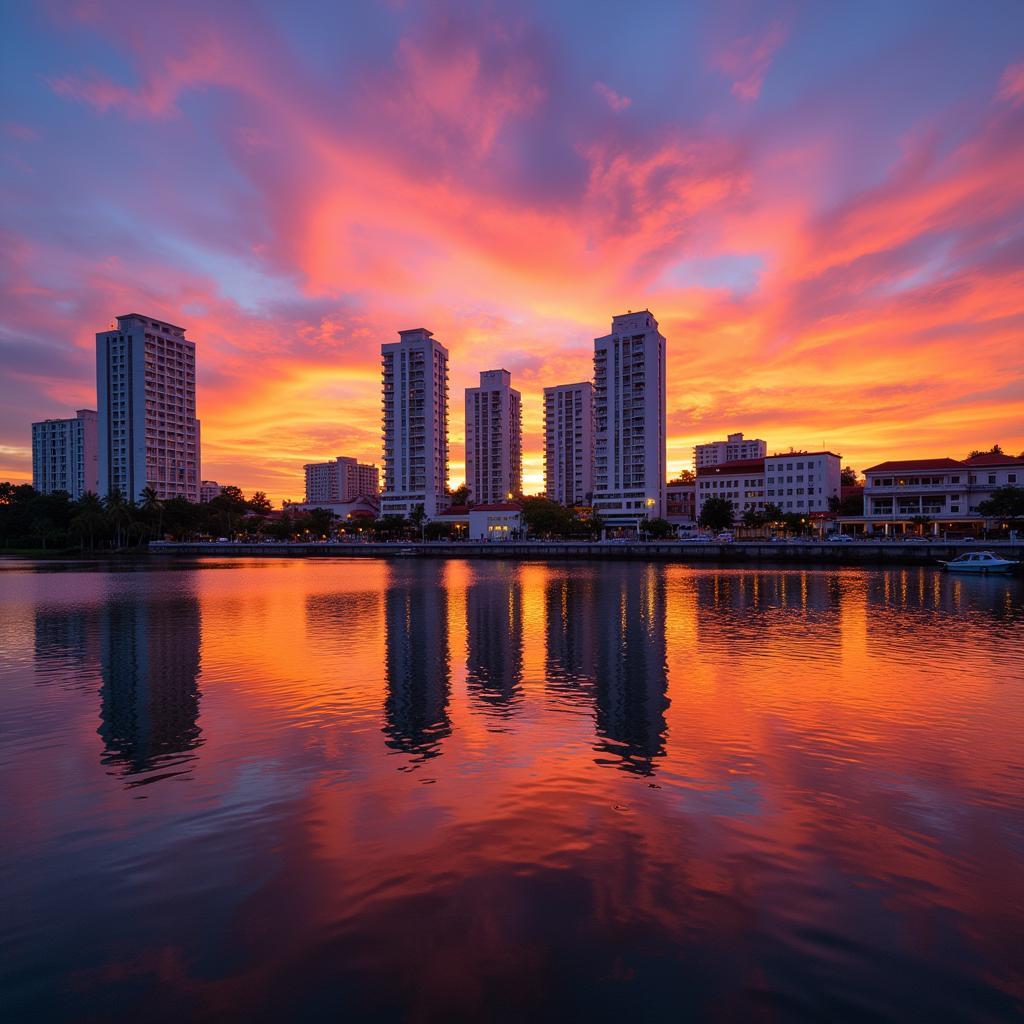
(979, 561)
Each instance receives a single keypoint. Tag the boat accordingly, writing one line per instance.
(979, 561)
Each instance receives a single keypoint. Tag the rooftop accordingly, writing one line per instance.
(149, 320)
(735, 466)
(909, 465)
(991, 459)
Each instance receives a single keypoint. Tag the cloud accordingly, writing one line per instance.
(611, 97)
(1011, 85)
(748, 58)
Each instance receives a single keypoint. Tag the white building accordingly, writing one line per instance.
(569, 443)
(341, 480)
(65, 455)
(732, 449)
(681, 502)
(208, 490)
(741, 481)
(629, 421)
(495, 521)
(946, 491)
(414, 374)
(146, 390)
(494, 439)
(802, 482)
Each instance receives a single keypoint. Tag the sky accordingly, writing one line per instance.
(822, 204)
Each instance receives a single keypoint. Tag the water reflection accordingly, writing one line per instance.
(149, 698)
(417, 661)
(631, 671)
(570, 618)
(494, 639)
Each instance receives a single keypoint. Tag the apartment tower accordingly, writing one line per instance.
(146, 390)
(494, 439)
(569, 443)
(414, 381)
(65, 455)
(732, 449)
(629, 421)
(341, 480)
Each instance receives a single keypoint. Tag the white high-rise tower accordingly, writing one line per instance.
(494, 439)
(569, 443)
(414, 379)
(630, 421)
(146, 392)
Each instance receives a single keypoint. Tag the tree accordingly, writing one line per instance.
(795, 523)
(417, 517)
(88, 518)
(753, 518)
(686, 476)
(772, 512)
(229, 506)
(848, 476)
(922, 523)
(658, 529)
(460, 496)
(716, 514)
(1006, 503)
(994, 450)
(390, 526)
(119, 514)
(152, 508)
(851, 505)
(320, 521)
(260, 503)
(438, 531)
(543, 517)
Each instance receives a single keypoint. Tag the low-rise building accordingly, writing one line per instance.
(802, 482)
(944, 494)
(497, 521)
(740, 481)
(681, 502)
(341, 480)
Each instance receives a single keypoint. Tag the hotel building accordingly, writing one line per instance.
(732, 449)
(946, 491)
(569, 443)
(208, 490)
(740, 481)
(629, 421)
(494, 439)
(146, 390)
(341, 480)
(414, 377)
(802, 482)
(65, 455)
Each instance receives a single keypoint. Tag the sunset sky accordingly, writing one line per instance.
(822, 204)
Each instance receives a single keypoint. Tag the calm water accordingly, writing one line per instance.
(421, 790)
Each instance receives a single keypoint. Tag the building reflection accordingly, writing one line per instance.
(631, 671)
(570, 624)
(494, 626)
(417, 660)
(67, 642)
(149, 697)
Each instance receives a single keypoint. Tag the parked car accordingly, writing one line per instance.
(725, 538)
(839, 538)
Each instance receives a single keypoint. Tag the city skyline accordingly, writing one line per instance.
(824, 211)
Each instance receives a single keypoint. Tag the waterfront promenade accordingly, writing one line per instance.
(806, 552)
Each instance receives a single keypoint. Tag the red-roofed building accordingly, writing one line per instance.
(501, 520)
(946, 492)
(740, 481)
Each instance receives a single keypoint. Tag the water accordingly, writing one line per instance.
(419, 790)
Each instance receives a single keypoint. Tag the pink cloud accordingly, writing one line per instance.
(747, 60)
(1011, 85)
(611, 97)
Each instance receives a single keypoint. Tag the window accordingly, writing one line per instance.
(1011, 478)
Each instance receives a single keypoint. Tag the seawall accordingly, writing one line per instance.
(821, 553)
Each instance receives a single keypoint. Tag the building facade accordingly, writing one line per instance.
(629, 421)
(681, 502)
(208, 490)
(341, 480)
(803, 482)
(414, 378)
(494, 439)
(734, 448)
(146, 390)
(569, 443)
(741, 481)
(65, 455)
(901, 495)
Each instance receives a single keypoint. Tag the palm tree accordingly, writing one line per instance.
(118, 512)
(88, 518)
(152, 506)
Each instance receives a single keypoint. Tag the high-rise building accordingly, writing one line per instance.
(146, 390)
(65, 455)
(494, 439)
(208, 490)
(732, 449)
(414, 372)
(341, 480)
(569, 443)
(629, 421)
